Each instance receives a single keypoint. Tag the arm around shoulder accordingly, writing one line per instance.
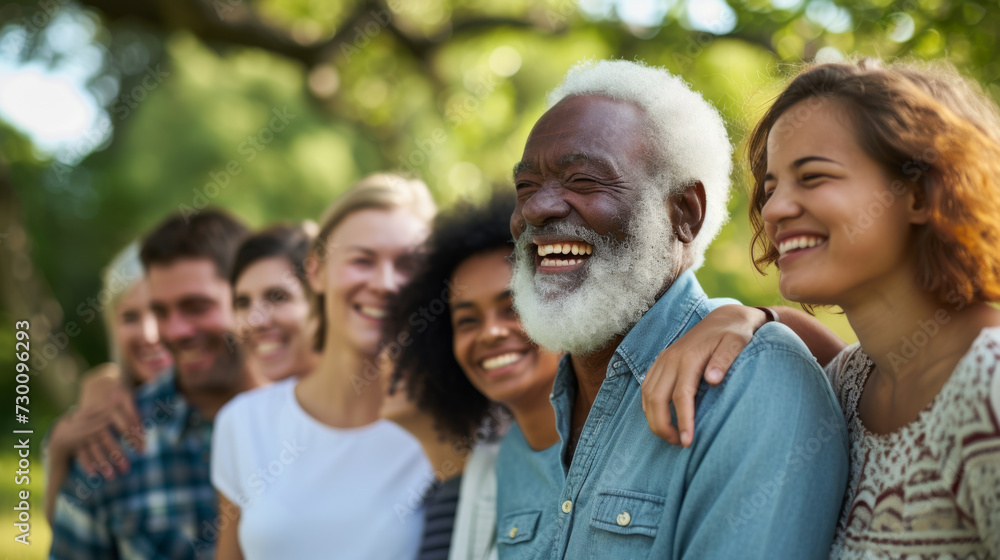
(823, 343)
(769, 466)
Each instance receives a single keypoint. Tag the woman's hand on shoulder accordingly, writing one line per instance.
(707, 350)
(106, 406)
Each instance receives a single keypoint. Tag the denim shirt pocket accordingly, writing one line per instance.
(518, 527)
(624, 512)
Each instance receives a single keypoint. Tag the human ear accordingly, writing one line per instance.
(315, 273)
(918, 203)
(687, 211)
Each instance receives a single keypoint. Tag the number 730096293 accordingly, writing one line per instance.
(22, 349)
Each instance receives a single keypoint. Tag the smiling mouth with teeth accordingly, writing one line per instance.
(266, 349)
(799, 242)
(565, 253)
(378, 313)
(188, 357)
(156, 354)
(496, 362)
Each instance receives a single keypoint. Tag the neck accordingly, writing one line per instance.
(591, 369)
(537, 420)
(446, 455)
(344, 391)
(208, 403)
(906, 332)
(306, 365)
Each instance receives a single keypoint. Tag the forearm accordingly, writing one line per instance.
(822, 342)
(228, 547)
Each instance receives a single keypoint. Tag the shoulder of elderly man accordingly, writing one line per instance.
(765, 474)
(769, 468)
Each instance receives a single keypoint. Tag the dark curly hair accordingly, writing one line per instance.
(419, 321)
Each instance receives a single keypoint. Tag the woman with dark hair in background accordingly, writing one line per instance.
(271, 302)
(467, 362)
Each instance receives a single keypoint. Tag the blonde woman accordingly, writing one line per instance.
(305, 468)
(105, 400)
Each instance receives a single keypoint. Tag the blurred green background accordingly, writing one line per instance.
(114, 113)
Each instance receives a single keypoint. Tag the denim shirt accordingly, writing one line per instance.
(764, 477)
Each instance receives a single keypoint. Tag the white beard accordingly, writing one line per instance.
(580, 312)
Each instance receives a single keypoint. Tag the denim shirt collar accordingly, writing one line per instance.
(657, 328)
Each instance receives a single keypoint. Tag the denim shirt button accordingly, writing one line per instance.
(624, 519)
(617, 364)
(513, 532)
(567, 506)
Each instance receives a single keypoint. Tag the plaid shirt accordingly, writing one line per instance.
(164, 507)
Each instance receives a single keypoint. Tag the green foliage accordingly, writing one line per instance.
(272, 139)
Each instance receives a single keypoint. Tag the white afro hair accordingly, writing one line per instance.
(693, 143)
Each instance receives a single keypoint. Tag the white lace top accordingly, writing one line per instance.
(932, 488)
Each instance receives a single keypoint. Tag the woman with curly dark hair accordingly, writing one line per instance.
(459, 350)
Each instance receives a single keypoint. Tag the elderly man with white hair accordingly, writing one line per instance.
(622, 186)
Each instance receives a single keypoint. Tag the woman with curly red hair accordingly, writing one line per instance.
(877, 189)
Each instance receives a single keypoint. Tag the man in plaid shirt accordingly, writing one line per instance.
(165, 506)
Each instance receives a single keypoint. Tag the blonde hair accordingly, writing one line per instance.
(121, 275)
(380, 191)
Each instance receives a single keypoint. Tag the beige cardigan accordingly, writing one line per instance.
(474, 535)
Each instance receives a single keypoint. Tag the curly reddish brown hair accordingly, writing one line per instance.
(936, 132)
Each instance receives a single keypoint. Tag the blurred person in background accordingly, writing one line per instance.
(85, 432)
(305, 468)
(468, 365)
(271, 302)
(164, 506)
(271, 310)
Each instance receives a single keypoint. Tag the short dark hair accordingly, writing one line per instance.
(211, 233)
(434, 379)
(281, 240)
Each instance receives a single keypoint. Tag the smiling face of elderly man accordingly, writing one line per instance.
(622, 184)
(598, 239)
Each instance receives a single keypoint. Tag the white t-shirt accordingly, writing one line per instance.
(306, 490)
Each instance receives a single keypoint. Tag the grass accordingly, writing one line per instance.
(40, 538)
